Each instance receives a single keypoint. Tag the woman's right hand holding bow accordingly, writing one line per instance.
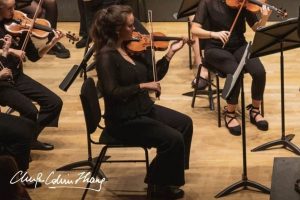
(151, 86)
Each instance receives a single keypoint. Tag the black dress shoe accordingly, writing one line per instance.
(37, 145)
(165, 192)
(59, 50)
(81, 43)
(262, 125)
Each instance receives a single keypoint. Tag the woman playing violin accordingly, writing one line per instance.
(130, 114)
(212, 22)
(19, 92)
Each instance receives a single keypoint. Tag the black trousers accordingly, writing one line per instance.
(21, 95)
(226, 61)
(167, 130)
(15, 138)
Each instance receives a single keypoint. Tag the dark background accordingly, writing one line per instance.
(163, 10)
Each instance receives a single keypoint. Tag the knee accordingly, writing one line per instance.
(259, 74)
(58, 103)
(188, 122)
(176, 142)
(30, 113)
(55, 103)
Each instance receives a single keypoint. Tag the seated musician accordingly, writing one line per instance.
(50, 13)
(15, 132)
(20, 90)
(130, 114)
(220, 17)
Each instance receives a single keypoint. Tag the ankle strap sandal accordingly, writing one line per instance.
(254, 112)
(235, 130)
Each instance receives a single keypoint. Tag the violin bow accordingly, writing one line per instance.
(152, 48)
(235, 20)
(31, 27)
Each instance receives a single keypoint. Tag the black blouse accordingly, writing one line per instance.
(215, 15)
(120, 79)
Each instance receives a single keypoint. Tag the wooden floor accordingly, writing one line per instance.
(216, 156)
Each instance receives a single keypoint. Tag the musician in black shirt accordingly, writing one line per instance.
(212, 22)
(21, 91)
(130, 114)
(48, 11)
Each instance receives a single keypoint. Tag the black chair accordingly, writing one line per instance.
(92, 114)
(210, 92)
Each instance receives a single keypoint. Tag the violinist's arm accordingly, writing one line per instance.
(47, 47)
(198, 31)
(265, 14)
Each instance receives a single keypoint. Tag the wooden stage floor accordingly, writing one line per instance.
(216, 156)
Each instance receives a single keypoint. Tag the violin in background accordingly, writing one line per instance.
(41, 28)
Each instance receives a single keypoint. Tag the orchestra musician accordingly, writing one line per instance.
(15, 132)
(130, 114)
(219, 17)
(20, 91)
(48, 11)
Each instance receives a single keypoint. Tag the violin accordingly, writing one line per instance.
(254, 6)
(140, 42)
(41, 28)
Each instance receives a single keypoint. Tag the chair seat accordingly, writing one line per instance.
(213, 69)
(107, 139)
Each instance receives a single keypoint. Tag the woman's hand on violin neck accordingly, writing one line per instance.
(152, 86)
(177, 45)
(18, 53)
(221, 35)
(57, 36)
(265, 12)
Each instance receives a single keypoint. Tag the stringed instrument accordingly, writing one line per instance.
(140, 42)
(41, 27)
(252, 6)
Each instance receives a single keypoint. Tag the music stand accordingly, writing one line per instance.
(229, 84)
(76, 69)
(273, 39)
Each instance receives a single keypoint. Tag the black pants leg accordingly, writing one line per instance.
(27, 90)
(227, 63)
(16, 135)
(83, 28)
(168, 131)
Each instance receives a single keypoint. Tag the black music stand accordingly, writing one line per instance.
(273, 39)
(229, 84)
(76, 69)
